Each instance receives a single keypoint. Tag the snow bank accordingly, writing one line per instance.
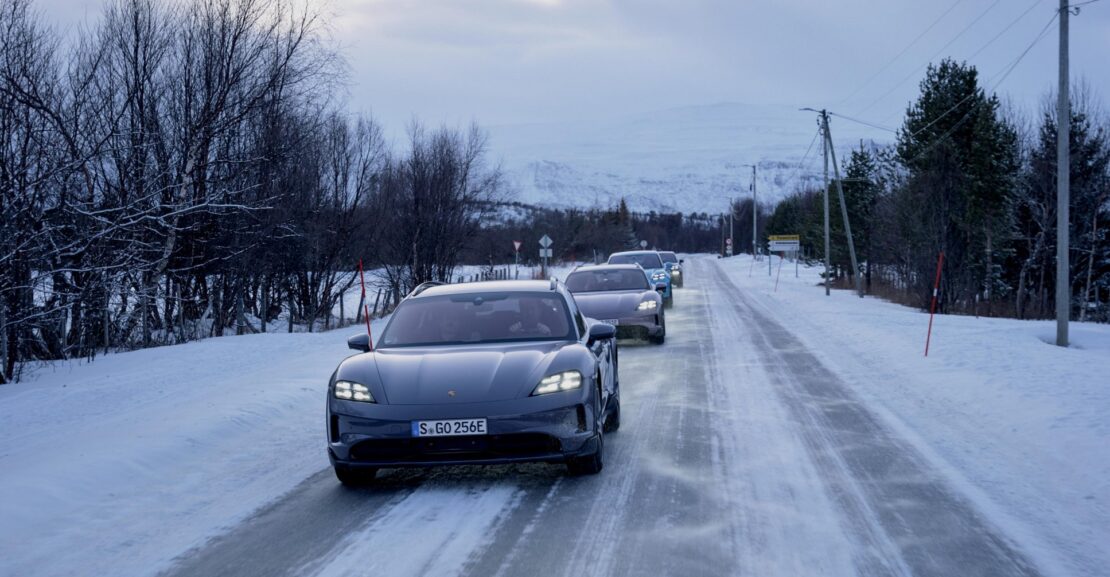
(113, 467)
(1022, 426)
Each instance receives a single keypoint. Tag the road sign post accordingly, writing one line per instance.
(782, 244)
(516, 257)
(545, 253)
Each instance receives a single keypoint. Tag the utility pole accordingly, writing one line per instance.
(755, 212)
(732, 226)
(843, 205)
(825, 196)
(1063, 182)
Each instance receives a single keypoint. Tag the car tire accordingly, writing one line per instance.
(662, 336)
(590, 464)
(355, 477)
(613, 421)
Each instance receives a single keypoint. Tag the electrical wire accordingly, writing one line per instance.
(884, 67)
(917, 70)
(972, 57)
(1001, 78)
(863, 122)
(801, 164)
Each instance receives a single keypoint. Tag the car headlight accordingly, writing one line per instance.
(348, 391)
(659, 275)
(647, 306)
(564, 381)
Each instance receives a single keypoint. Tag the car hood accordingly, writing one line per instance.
(463, 374)
(610, 304)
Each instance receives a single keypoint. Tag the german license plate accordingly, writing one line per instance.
(613, 322)
(449, 428)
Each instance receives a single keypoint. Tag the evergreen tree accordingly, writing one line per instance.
(962, 160)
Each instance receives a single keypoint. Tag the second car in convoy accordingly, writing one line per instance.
(620, 294)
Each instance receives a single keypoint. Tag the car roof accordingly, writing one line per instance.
(592, 267)
(635, 252)
(486, 286)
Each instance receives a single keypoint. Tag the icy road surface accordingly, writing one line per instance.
(740, 453)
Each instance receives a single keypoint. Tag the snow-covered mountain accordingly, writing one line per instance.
(683, 159)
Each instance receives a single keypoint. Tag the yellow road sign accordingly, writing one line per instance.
(793, 237)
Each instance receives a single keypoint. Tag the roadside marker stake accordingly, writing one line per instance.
(778, 274)
(933, 307)
(365, 309)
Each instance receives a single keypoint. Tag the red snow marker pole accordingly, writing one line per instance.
(933, 307)
(365, 308)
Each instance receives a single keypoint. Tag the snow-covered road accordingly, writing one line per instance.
(740, 453)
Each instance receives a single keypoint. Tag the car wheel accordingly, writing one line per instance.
(662, 336)
(590, 464)
(613, 421)
(355, 477)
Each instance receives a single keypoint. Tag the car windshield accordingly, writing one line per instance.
(668, 257)
(647, 260)
(478, 318)
(607, 280)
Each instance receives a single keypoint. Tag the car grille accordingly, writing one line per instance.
(475, 447)
(631, 332)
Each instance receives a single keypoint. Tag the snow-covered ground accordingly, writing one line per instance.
(116, 467)
(1019, 424)
(113, 467)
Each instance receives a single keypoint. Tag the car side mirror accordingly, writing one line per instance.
(359, 342)
(602, 332)
(681, 261)
(661, 287)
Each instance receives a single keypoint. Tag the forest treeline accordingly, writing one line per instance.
(185, 169)
(181, 169)
(976, 180)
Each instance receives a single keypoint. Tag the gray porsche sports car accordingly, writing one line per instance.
(620, 294)
(487, 372)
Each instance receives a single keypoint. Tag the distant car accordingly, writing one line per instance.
(620, 294)
(652, 263)
(487, 372)
(673, 264)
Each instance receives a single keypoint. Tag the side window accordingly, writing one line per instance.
(578, 319)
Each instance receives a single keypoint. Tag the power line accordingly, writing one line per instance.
(933, 57)
(1005, 73)
(884, 67)
(1002, 77)
(801, 164)
(977, 52)
(863, 122)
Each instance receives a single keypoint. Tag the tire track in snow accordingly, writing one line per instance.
(889, 494)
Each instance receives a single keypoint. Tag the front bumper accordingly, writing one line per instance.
(369, 435)
(640, 327)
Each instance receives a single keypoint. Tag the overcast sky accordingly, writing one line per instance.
(528, 61)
